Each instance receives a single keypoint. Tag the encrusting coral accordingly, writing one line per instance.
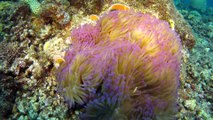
(127, 60)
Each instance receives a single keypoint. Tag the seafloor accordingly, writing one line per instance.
(35, 34)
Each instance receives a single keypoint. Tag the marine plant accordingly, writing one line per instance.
(126, 66)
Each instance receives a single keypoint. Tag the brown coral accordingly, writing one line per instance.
(9, 51)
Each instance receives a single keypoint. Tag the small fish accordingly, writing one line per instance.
(119, 6)
(116, 6)
(172, 24)
(94, 17)
(59, 60)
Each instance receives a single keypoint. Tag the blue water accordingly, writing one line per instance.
(210, 3)
(186, 2)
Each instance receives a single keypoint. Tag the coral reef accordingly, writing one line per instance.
(11, 15)
(23, 32)
(36, 40)
(37, 104)
(99, 58)
(88, 7)
(9, 51)
(55, 49)
(54, 13)
(195, 93)
(202, 24)
(23, 58)
(8, 90)
(57, 15)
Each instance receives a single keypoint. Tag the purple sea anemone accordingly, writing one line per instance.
(127, 64)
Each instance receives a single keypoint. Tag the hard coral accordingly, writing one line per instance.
(9, 88)
(129, 62)
(8, 53)
(54, 14)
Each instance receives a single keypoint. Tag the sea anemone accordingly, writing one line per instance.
(128, 63)
(86, 33)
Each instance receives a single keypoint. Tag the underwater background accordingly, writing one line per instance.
(83, 59)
